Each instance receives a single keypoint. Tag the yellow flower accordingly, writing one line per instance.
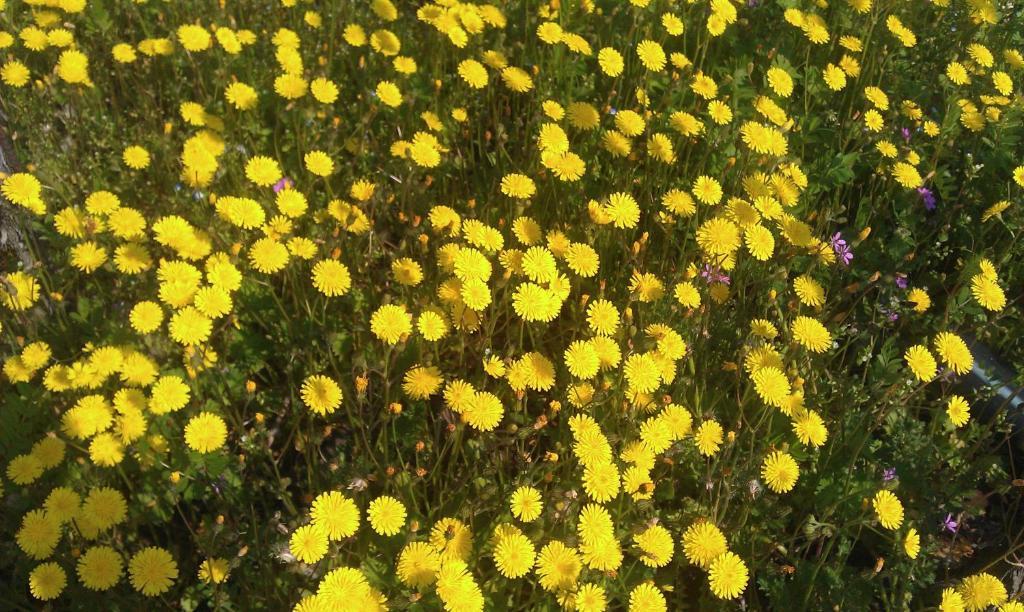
(622, 210)
(189, 327)
(771, 385)
(425, 150)
(194, 38)
(558, 566)
(514, 554)
(811, 334)
(389, 94)
(728, 576)
(656, 546)
(707, 190)
(912, 543)
(15, 74)
(760, 242)
(980, 54)
(888, 509)
(958, 410)
(213, 570)
(921, 362)
(954, 352)
(422, 381)
(809, 291)
(47, 581)
(241, 96)
(418, 564)
(517, 186)
(672, 24)
(835, 78)
(262, 171)
(431, 325)
(205, 432)
(308, 543)
(135, 157)
(336, 514)
(100, 568)
(951, 601)
(718, 237)
(88, 256)
(582, 360)
(780, 82)
(720, 112)
(39, 532)
(981, 591)
(390, 323)
(651, 55)
(780, 472)
(325, 91)
(590, 598)
(526, 504)
(152, 571)
(610, 61)
(646, 597)
(73, 67)
(473, 73)
(331, 277)
(321, 394)
(642, 372)
(386, 515)
(516, 79)
(704, 86)
(687, 294)
(906, 175)
(319, 163)
(708, 437)
(62, 504)
(106, 450)
(601, 481)
(549, 32)
(920, 299)
(987, 292)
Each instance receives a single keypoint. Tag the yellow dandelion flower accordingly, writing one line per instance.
(386, 515)
(888, 509)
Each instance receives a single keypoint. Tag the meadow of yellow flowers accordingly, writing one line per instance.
(569, 305)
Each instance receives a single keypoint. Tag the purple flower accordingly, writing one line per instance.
(890, 314)
(888, 474)
(906, 134)
(950, 525)
(285, 183)
(927, 197)
(845, 254)
(713, 274)
(901, 280)
(841, 248)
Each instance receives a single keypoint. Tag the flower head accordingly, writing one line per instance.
(386, 515)
(780, 471)
(152, 571)
(728, 576)
(888, 509)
